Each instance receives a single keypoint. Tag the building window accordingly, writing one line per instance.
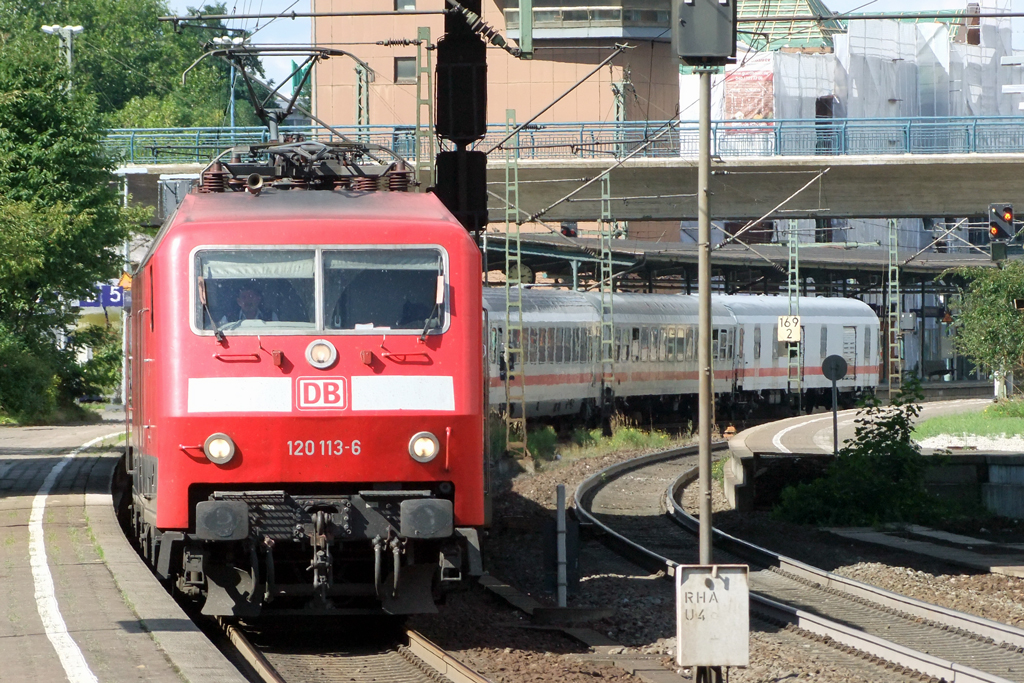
(405, 69)
(405, 5)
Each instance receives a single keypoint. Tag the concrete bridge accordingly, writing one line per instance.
(860, 168)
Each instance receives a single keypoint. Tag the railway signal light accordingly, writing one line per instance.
(1000, 222)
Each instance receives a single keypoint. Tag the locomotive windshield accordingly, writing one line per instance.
(252, 291)
(397, 289)
(257, 289)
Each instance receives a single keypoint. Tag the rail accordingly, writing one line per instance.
(610, 139)
(817, 624)
(432, 656)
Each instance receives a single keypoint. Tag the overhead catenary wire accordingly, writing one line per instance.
(785, 201)
(619, 49)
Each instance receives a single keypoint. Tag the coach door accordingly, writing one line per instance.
(850, 351)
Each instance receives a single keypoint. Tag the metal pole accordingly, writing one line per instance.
(706, 385)
(560, 540)
(835, 419)
(231, 102)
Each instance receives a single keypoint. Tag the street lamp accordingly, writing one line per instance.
(66, 34)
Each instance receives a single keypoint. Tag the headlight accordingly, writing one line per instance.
(423, 447)
(219, 448)
(321, 354)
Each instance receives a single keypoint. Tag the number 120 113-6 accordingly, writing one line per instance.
(328, 447)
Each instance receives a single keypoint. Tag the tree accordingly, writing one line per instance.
(133, 63)
(62, 221)
(988, 328)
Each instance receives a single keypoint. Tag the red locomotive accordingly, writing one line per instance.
(306, 406)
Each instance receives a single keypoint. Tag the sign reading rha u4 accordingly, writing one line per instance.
(321, 393)
(712, 615)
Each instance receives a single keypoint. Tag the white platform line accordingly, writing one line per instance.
(71, 658)
(777, 439)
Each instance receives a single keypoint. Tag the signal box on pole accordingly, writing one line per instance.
(704, 31)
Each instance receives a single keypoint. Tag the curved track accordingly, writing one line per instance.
(629, 502)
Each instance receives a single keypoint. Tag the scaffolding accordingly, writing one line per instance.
(424, 158)
(794, 373)
(514, 339)
(894, 365)
(607, 288)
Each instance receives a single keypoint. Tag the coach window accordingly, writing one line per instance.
(534, 345)
(670, 346)
(757, 342)
(254, 290)
(824, 342)
(739, 344)
(867, 349)
(551, 344)
(634, 345)
(542, 345)
(645, 344)
(691, 347)
(775, 344)
(389, 289)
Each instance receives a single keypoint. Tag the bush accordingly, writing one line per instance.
(877, 478)
(29, 385)
(541, 442)
(100, 375)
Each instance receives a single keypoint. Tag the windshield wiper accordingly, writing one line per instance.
(438, 300)
(201, 286)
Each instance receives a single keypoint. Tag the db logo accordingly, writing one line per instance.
(316, 393)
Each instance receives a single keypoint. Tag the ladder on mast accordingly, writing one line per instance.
(794, 374)
(607, 289)
(424, 77)
(894, 364)
(515, 365)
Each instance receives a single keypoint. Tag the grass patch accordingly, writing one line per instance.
(626, 437)
(1005, 418)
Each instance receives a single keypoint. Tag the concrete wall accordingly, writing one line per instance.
(524, 85)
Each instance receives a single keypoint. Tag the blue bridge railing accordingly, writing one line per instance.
(761, 138)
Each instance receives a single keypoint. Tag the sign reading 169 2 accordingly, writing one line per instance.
(789, 328)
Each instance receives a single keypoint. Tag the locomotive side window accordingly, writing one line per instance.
(391, 289)
(255, 290)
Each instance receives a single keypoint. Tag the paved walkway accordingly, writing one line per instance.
(71, 589)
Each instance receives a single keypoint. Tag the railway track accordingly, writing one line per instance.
(636, 504)
(407, 658)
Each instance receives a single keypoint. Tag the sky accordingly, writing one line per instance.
(279, 31)
(297, 31)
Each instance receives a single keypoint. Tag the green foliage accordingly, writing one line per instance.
(1004, 418)
(988, 329)
(718, 469)
(101, 374)
(541, 442)
(62, 224)
(1006, 408)
(131, 63)
(28, 384)
(877, 478)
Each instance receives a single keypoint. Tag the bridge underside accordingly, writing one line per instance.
(879, 186)
(754, 269)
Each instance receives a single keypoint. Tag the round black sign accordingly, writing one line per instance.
(834, 368)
